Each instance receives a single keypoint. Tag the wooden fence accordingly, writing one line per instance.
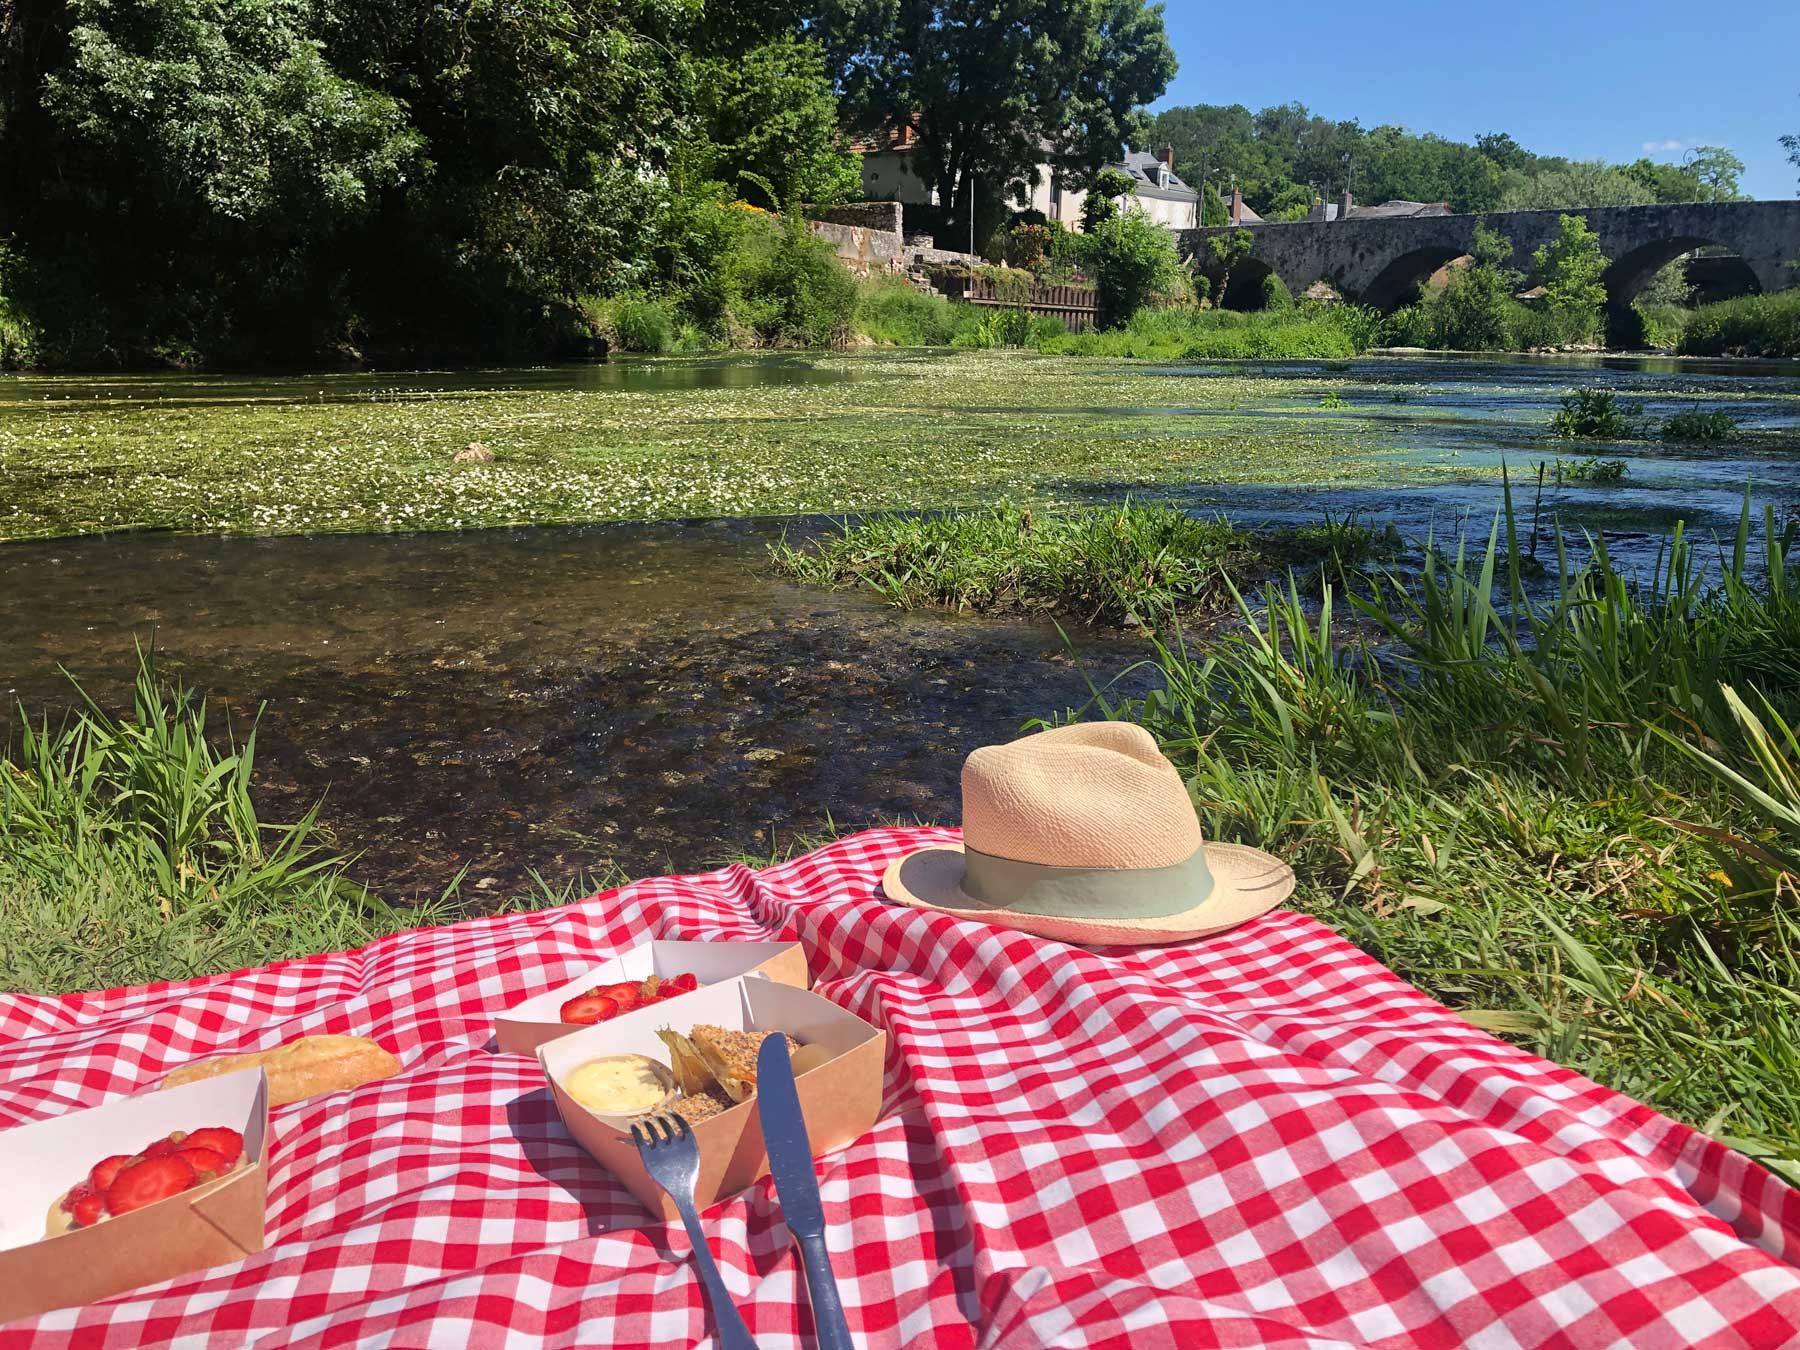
(1076, 305)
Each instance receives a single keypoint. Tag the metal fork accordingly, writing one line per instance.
(672, 1159)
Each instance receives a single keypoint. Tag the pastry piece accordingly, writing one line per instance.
(701, 1106)
(302, 1068)
(731, 1057)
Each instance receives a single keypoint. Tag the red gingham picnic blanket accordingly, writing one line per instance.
(1260, 1139)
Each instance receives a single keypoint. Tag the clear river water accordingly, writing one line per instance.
(553, 699)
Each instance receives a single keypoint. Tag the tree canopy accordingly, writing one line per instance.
(1283, 158)
(994, 90)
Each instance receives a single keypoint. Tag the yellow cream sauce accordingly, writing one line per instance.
(616, 1087)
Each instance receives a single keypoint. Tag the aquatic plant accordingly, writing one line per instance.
(1592, 414)
(684, 438)
(1695, 425)
(1125, 566)
(1333, 399)
(1589, 470)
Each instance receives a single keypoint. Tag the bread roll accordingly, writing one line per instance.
(302, 1068)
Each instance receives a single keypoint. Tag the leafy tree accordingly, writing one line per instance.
(1716, 170)
(1503, 151)
(1100, 204)
(1223, 253)
(769, 114)
(1585, 183)
(1570, 266)
(989, 86)
(1213, 210)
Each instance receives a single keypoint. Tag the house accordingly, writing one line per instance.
(1162, 196)
(888, 174)
(1345, 208)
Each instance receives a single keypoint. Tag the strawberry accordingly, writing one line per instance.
(627, 995)
(88, 1210)
(206, 1162)
(681, 984)
(589, 1008)
(166, 1145)
(228, 1144)
(78, 1191)
(105, 1170)
(147, 1181)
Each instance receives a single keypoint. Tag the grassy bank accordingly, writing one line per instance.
(1750, 325)
(131, 851)
(1310, 333)
(1576, 819)
(1127, 566)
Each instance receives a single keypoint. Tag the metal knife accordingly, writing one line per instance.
(797, 1186)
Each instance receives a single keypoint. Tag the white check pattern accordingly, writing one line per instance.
(1258, 1139)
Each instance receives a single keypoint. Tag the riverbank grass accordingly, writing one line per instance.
(1573, 816)
(1098, 567)
(131, 851)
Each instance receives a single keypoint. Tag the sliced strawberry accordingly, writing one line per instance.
(206, 1162)
(147, 1181)
(681, 984)
(105, 1170)
(88, 1210)
(624, 996)
(589, 1008)
(78, 1191)
(227, 1143)
(171, 1141)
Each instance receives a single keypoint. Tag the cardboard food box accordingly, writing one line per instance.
(217, 1222)
(522, 1028)
(840, 1099)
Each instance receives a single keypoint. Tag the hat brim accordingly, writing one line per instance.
(1246, 882)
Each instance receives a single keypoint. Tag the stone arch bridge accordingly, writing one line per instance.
(1382, 261)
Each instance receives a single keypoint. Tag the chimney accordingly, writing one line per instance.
(1344, 204)
(1237, 207)
(1167, 156)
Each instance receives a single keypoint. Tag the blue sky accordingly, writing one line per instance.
(1592, 80)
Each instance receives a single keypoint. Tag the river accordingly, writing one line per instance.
(645, 697)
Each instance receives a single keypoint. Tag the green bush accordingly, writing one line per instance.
(1750, 325)
(1474, 311)
(1695, 425)
(643, 325)
(1592, 414)
(894, 311)
(1135, 264)
(1308, 332)
(792, 290)
(1663, 324)
(1275, 294)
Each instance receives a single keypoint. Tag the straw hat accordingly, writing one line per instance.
(1085, 834)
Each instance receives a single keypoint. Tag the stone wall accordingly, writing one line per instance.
(885, 217)
(863, 250)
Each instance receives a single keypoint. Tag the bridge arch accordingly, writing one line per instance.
(1627, 274)
(1245, 289)
(1399, 280)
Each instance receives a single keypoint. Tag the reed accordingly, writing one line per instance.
(1573, 814)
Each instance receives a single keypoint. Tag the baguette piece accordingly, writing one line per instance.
(301, 1068)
